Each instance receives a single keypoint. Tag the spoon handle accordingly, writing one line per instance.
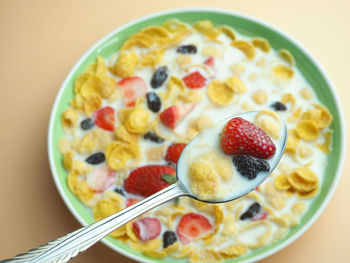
(66, 247)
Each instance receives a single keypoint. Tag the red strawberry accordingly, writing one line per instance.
(171, 116)
(210, 62)
(173, 152)
(194, 80)
(147, 180)
(105, 118)
(147, 228)
(243, 137)
(100, 179)
(132, 88)
(131, 201)
(192, 226)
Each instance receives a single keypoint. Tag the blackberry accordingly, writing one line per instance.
(87, 124)
(187, 49)
(262, 165)
(153, 137)
(250, 167)
(153, 101)
(278, 106)
(159, 77)
(119, 191)
(252, 210)
(169, 237)
(96, 158)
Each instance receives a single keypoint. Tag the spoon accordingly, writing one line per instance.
(66, 247)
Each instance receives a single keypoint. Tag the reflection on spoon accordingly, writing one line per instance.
(66, 247)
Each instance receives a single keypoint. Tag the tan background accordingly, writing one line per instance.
(39, 43)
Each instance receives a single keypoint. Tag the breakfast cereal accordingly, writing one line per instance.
(132, 114)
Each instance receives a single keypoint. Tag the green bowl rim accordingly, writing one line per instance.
(212, 10)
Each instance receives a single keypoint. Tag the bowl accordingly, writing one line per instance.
(308, 66)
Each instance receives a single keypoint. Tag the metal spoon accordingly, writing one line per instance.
(66, 247)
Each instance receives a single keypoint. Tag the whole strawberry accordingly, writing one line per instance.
(240, 136)
(149, 179)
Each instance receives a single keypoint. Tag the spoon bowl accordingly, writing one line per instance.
(244, 185)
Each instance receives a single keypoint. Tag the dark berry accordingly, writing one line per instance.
(159, 77)
(253, 210)
(119, 191)
(87, 124)
(153, 101)
(169, 238)
(153, 137)
(262, 165)
(96, 158)
(187, 49)
(278, 106)
(248, 166)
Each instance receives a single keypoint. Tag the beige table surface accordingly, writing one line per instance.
(39, 43)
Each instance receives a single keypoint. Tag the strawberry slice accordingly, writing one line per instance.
(131, 201)
(105, 118)
(240, 136)
(132, 88)
(147, 180)
(172, 116)
(147, 228)
(210, 62)
(100, 179)
(192, 226)
(260, 216)
(173, 152)
(195, 80)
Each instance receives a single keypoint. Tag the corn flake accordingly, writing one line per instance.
(211, 50)
(80, 80)
(64, 145)
(220, 93)
(191, 96)
(122, 134)
(306, 94)
(79, 187)
(247, 48)
(119, 153)
(227, 31)
(107, 86)
(68, 160)
(69, 118)
(93, 141)
(125, 64)
(236, 85)
(292, 142)
(138, 120)
(282, 72)
(78, 102)
(298, 209)
(326, 146)
(262, 44)
(307, 195)
(307, 130)
(281, 182)
(303, 180)
(183, 61)
(206, 28)
(238, 69)
(288, 97)
(92, 103)
(286, 56)
(260, 97)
